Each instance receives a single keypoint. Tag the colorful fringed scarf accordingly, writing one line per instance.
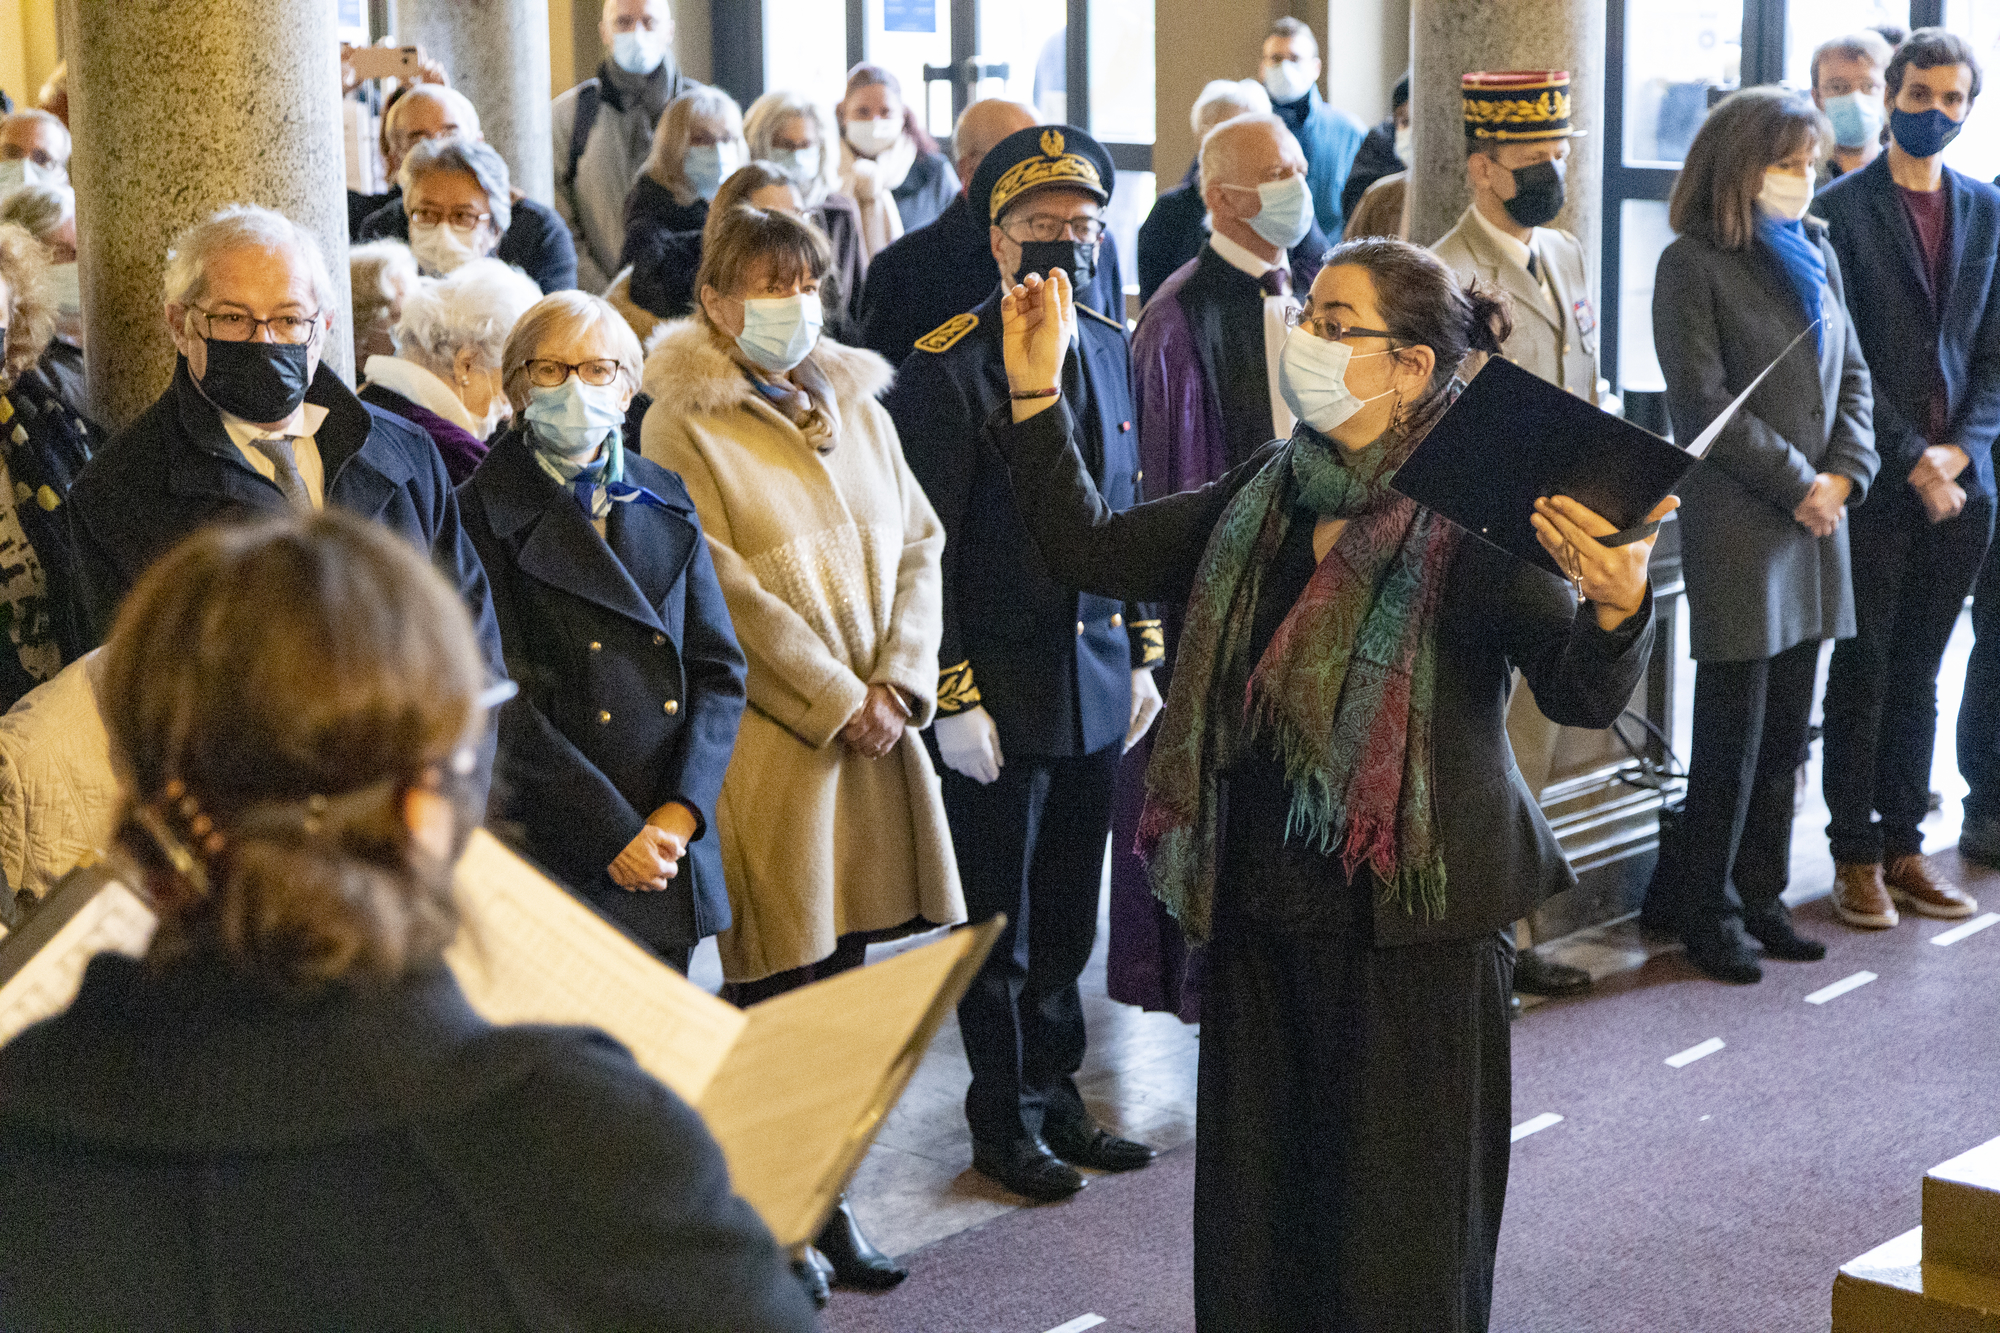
(1343, 692)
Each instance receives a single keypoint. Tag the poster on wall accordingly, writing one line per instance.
(909, 15)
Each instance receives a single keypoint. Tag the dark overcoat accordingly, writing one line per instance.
(175, 469)
(631, 679)
(1051, 664)
(1758, 582)
(1908, 340)
(183, 1153)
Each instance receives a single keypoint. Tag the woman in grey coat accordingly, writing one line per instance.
(1763, 519)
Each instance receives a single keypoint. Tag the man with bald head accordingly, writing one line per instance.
(417, 112)
(1204, 374)
(602, 129)
(946, 267)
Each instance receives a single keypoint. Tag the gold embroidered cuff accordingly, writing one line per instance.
(956, 692)
(1152, 641)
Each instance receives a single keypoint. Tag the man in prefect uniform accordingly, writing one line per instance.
(1517, 133)
(926, 276)
(1041, 688)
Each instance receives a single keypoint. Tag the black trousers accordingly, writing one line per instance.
(1750, 721)
(1979, 707)
(1355, 1108)
(1910, 580)
(1030, 844)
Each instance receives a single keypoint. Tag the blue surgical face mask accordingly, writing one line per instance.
(801, 164)
(707, 165)
(1857, 119)
(1286, 211)
(638, 51)
(572, 420)
(1923, 133)
(779, 331)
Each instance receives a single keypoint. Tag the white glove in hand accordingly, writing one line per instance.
(1145, 705)
(970, 743)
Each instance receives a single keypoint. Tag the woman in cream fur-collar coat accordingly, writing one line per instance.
(828, 552)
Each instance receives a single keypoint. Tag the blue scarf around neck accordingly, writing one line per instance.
(1805, 267)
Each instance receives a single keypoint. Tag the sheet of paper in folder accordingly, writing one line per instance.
(793, 1089)
(1512, 438)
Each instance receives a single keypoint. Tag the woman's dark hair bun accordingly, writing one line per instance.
(1492, 320)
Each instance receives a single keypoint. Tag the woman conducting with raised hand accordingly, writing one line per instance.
(1324, 807)
(1764, 524)
(831, 818)
(613, 625)
(293, 709)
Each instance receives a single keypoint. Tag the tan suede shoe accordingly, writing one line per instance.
(1860, 898)
(1911, 884)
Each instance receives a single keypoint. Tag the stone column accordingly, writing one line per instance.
(498, 55)
(1450, 38)
(180, 107)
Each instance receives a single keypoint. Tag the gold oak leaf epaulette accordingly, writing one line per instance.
(1152, 642)
(956, 692)
(1095, 314)
(946, 335)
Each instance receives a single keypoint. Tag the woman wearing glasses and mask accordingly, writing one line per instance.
(831, 818)
(291, 1051)
(614, 627)
(459, 205)
(1322, 808)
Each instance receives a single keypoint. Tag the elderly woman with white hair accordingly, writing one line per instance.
(790, 131)
(612, 622)
(48, 213)
(256, 421)
(445, 376)
(458, 204)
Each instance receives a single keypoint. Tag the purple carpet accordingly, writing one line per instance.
(1718, 1196)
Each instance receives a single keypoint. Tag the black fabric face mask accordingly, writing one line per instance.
(1072, 257)
(257, 381)
(1538, 194)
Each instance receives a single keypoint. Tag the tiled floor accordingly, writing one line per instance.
(917, 1185)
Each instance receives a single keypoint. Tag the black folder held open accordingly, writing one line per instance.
(1513, 437)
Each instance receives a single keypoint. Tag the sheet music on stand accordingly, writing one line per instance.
(792, 1089)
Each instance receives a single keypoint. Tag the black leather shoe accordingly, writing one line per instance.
(1086, 1144)
(856, 1262)
(1656, 918)
(1723, 953)
(1536, 975)
(1773, 929)
(1026, 1166)
(813, 1278)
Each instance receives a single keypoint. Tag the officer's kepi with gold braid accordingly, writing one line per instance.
(1517, 106)
(1037, 158)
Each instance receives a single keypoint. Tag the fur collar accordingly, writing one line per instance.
(691, 371)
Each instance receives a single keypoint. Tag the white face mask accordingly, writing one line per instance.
(779, 331)
(67, 288)
(18, 171)
(1405, 138)
(1312, 377)
(638, 51)
(1284, 212)
(443, 248)
(1287, 81)
(870, 138)
(1784, 195)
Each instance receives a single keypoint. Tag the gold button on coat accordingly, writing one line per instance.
(1117, 621)
(603, 717)
(1079, 629)
(659, 640)
(596, 647)
(672, 707)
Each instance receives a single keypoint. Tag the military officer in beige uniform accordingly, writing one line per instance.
(1517, 133)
